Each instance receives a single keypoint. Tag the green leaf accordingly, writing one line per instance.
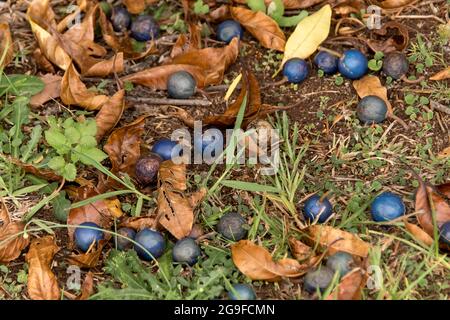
(200, 8)
(61, 207)
(88, 142)
(276, 9)
(375, 65)
(21, 85)
(70, 172)
(19, 117)
(72, 135)
(378, 55)
(410, 99)
(94, 153)
(35, 136)
(57, 141)
(292, 21)
(257, 5)
(57, 163)
(88, 128)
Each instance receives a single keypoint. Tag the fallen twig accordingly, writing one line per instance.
(439, 107)
(172, 102)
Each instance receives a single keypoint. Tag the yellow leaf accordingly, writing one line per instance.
(308, 35)
(233, 86)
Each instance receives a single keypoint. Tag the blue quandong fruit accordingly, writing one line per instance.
(232, 226)
(121, 19)
(165, 148)
(144, 28)
(123, 243)
(181, 85)
(186, 250)
(84, 237)
(342, 262)
(228, 30)
(318, 279)
(152, 241)
(241, 291)
(314, 207)
(326, 62)
(395, 65)
(386, 207)
(372, 109)
(295, 70)
(353, 64)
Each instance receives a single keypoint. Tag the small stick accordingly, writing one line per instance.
(439, 107)
(332, 52)
(405, 79)
(173, 102)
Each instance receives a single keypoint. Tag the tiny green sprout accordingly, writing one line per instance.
(128, 86)
(339, 80)
(200, 8)
(410, 99)
(424, 101)
(320, 73)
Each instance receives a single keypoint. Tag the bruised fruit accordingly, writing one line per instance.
(353, 64)
(181, 85)
(152, 241)
(387, 206)
(395, 65)
(84, 237)
(319, 278)
(241, 291)
(444, 233)
(371, 109)
(232, 226)
(121, 19)
(326, 62)
(341, 261)
(295, 70)
(144, 28)
(165, 148)
(123, 243)
(229, 29)
(317, 207)
(186, 250)
(147, 168)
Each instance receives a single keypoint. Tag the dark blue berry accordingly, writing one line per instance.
(387, 206)
(326, 62)
(371, 109)
(181, 85)
(84, 237)
(314, 207)
(123, 243)
(187, 251)
(241, 292)
(319, 278)
(144, 28)
(206, 143)
(395, 65)
(341, 261)
(232, 226)
(147, 168)
(229, 29)
(353, 64)
(295, 70)
(165, 148)
(121, 19)
(152, 241)
(444, 233)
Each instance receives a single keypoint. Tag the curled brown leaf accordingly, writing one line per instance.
(350, 286)
(441, 75)
(6, 45)
(110, 114)
(87, 288)
(392, 36)
(11, 241)
(52, 90)
(91, 258)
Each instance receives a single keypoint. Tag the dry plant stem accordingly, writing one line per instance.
(440, 107)
(330, 51)
(420, 17)
(404, 79)
(173, 102)
(403, 123)
(277, 83)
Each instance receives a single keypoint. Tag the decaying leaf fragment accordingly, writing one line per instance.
(11, 241)
(6, 45)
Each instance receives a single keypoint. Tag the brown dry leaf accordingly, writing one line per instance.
(176, 211)
(138, 223)
(444, 189)
(347, 7)
(98, 212)
(428, 200)
(261, 26)
(397, 38)
(371, 86)
(441, 75)
(257, 263)
(395, 4)
(10, 249)
(338, 240)
(74, 92)
(89, 259)
(110, 114)
(418, 233)
(42, 282)
(185, 44)
(6, 45)
(52, 90)
(87, 288)
(46, 174)
(207, 66)
(350, 286)
(289, 4)
(137, 6)
(42, 62)
(124, 146)
(41, 17)
(299, 250)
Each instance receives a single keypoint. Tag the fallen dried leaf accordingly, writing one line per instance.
(299, 250)
(11, 244)
(350, 286)
(261, 26)
(441, 75)
(6, 45)
(51, 91)
(42, 62)
(91, 258)
(397, 38)
(371, 86)
(110, 114)
(418, 233)
(338, 240)
(394, 4)
(87, 288)
(138, 223)
(42, 282)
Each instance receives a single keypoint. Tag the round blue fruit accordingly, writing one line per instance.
(121, 19)
(144, 28)
(84, 237)
(241, 292)
(314, 208)
(123, 243)
(319, 278)
(147, 168)
(232, 226)
(326, 62)
(444, 233)
(165, 148)
(395, 65)
(186, 250)
(152, 241)
(295, 70)
(353, 64)
(387, 206)
(341, 261)
(181, 85)
(210, 140)
(229, 29)
(372, 109)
